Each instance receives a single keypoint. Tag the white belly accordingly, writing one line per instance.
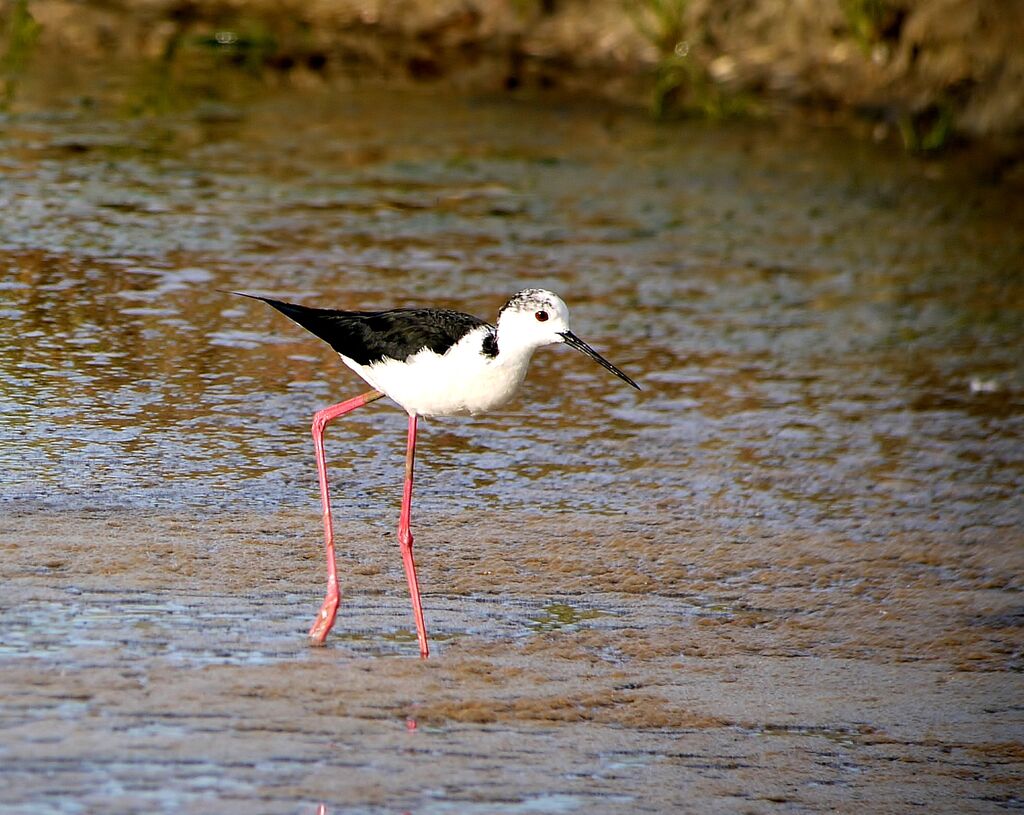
(461, 381)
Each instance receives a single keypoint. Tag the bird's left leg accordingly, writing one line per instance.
(329, 609)
(405, 539)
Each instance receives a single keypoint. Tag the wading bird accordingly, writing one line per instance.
(432, 362)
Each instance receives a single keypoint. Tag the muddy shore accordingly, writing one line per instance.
(159, 662)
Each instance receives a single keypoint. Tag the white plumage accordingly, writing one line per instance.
(463, 379)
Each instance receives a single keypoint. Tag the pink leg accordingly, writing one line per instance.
(329, 609)
(405, 540)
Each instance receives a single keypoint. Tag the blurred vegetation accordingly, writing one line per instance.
(924, 72)
(682, 81)
(19, 33)
(869, 20)
(929, 130)
(876, 26)
(171, 80)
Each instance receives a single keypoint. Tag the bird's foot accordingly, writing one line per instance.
(324, 619)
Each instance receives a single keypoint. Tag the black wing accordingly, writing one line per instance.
(370, 336)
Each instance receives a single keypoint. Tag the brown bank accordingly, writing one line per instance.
(920, 71)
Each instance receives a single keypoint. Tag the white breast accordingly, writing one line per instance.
(462, 380)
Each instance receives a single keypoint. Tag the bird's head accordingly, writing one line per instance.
(532, 318)
(535, 317)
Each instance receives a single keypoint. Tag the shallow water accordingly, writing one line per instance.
(825, 334)
(829, 344)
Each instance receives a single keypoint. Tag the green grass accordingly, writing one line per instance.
(682, 82)
(19, 33)
(867, 20)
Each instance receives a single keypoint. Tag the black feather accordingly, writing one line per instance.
(371, 336)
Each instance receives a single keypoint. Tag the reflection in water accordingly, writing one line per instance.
(807, 321)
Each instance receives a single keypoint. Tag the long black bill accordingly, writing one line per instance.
(575, 342)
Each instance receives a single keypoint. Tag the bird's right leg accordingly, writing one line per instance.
(405, 540)
(329, 609)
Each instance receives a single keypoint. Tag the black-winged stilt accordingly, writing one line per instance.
(432, 362)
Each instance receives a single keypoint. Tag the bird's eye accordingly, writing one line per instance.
(541, 316)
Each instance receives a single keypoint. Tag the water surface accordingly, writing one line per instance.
(825, 334)
(784, 575)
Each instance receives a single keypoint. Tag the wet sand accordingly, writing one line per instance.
(157, 662)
